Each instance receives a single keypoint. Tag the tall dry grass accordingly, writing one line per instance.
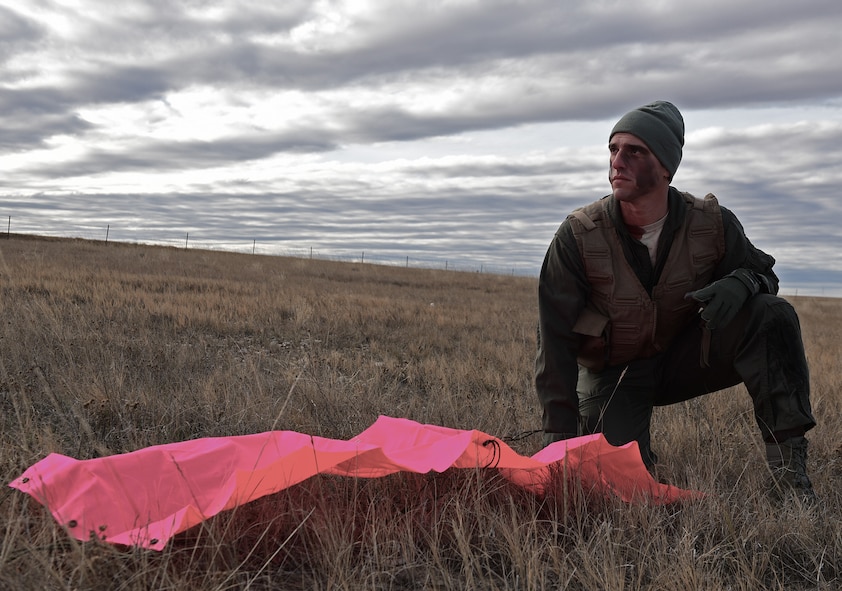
(108, 348)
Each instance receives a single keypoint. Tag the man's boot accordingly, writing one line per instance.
(788, 463)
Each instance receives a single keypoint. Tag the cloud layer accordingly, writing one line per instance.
(451, 129)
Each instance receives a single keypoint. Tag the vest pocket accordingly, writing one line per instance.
(592, 328)
(703, 260)
(702, 231)
(625, 334)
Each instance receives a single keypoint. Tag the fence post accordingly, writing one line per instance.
(186, 238)
(107, 229)
(9, 228)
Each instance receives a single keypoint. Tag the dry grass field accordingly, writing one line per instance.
(107, 348)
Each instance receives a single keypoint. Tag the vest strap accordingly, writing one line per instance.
(704, 353)
(583, 218)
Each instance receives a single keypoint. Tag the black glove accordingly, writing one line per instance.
(721, 300)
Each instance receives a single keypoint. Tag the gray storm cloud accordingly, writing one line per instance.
(442, 130)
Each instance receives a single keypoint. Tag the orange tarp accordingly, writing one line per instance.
(145, 497)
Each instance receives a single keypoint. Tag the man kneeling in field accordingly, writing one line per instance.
(650, 296)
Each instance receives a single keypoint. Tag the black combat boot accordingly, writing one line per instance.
(788, 463)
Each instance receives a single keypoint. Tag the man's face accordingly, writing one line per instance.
(633, 168)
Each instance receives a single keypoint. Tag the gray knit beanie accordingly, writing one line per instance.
(661, 127)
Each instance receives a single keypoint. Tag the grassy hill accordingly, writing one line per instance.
(107, 348)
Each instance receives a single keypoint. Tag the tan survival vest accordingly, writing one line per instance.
(621, 321)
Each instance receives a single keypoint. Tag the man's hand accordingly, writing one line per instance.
(721, 300)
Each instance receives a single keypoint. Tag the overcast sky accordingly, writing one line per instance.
(435, 130)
